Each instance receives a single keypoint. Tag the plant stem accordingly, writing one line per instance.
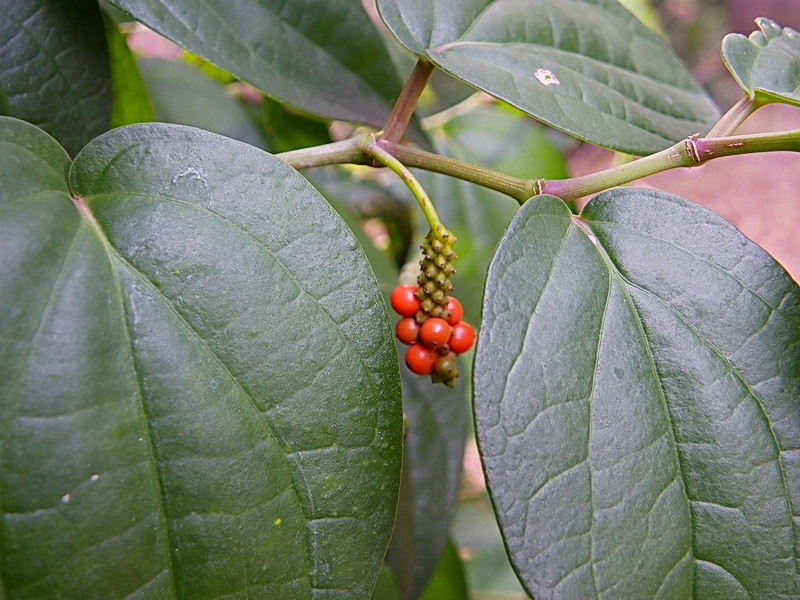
(731, 120)
(382, 156)
(687, 153)
(335, 153)
(519, 189)
(403, 108)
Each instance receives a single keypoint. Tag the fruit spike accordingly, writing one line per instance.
(435, 273)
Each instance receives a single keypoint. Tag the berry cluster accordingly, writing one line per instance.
(434, 341)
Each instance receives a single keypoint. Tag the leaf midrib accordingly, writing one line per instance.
(168, 545)
(625, 285)
(266, 250)
(115, 256)
(615, 275)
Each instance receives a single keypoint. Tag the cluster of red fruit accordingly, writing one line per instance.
(434, 342)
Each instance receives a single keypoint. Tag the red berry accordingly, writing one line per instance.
(434, 332)
(420, 359)
(407, 329)
(462, 338)
(454, 308)
(404, 300)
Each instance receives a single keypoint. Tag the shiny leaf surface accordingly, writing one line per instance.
(324, 57)
(54, 69)
(637, 391)
(587, 67)
(170, 425)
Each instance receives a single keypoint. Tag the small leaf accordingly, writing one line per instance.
(637, 397)
(184, 95)
(130, 101)
(323, 57)
(200, 391)
(54, 70)
(587, 67)
(766, 64)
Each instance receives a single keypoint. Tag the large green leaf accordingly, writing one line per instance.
(54, 67)
(510, 143)
(324, 57)
(200, 392)
(588, 67)
(637, 390)
(766, 64)
(185, 95)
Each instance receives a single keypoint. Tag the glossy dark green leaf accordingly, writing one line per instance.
(766, 64)
(509, 143)
(54, 67)
(323, 57)
(381, 263)
(433, 453)
(637, 396)
(587, 67)
(130, 100)
(184, 95)
(200, 393)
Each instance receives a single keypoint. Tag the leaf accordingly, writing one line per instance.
(200, 393)
(288, 130)
(448, 582)
(509, 143)
(323, 57)
(184, 95)
(130, 101)
(433, 453)
(767, 64)
(587, 67)
(475, 532)
(385, 271)
(54, 70)
(637, 398)
(385, 587)
(645, 12)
